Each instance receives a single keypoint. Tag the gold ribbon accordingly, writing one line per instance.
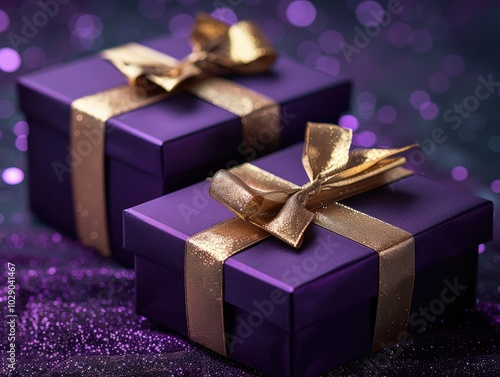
(268, 205)
(217, 49)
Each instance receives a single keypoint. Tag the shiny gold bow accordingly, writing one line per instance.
(333, 171)
(218, 49)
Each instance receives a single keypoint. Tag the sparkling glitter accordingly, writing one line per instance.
(12, 176)
(459, 173)
(301, 13)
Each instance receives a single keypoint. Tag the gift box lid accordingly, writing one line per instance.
(329, 272)
(141, 137)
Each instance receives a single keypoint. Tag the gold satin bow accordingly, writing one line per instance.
(218, 49)
(333, 171)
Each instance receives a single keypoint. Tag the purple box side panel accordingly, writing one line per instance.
(126, 187)
(50, 196)
(190, 210)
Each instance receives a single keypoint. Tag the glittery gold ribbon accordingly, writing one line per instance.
(268, 205)
(217, 49)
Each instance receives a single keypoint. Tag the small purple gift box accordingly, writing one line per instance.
(290, 312)
(158, 147)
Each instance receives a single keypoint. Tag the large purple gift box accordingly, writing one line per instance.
(158, 148)
(302, 312)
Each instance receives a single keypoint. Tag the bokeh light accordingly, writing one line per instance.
(34, 57)
(301, 13)
(459, 173)
(151, 9)
(21, 128)
(349, 121)
(386, 114)
(87, 26)
(328, 64)
(399, 33)
(494, 143)
(180, 25)
(429, 110)
(86, 30)
(309, 52)
(366, 101)
(482, 248)
(4, 21)
(368, 13)
(366, 139)
(420, 41)
(10, 61)
(495, 186)
(418, 98)
(330, 41)
(6, 109)
(225, 14)
(13, 176)
(453, 65)
(439, 82)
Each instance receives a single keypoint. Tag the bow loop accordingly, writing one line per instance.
(334, 174)
(218, 49)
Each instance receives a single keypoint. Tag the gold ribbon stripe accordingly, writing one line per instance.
(207, 251)
(90, 114)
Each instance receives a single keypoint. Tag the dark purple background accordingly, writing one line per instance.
(76, 309)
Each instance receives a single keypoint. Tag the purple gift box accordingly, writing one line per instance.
(158, 148)
(303, 312)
